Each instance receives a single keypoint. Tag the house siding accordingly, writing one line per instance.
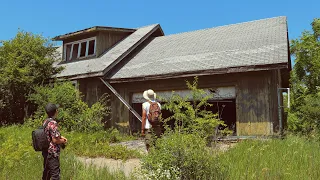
(256, 98)
(106, 40)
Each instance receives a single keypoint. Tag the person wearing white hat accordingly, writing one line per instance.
(148, 126)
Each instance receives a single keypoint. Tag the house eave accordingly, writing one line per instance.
(203, 72)
(81, 76)
(91, 29)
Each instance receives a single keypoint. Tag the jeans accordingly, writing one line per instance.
(51, 167)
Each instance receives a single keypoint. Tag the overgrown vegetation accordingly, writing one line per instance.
(74, 114)
(305, 82)
(18, 160)
(25, 62)
(182, 153)
(292, 158)
(97, 144)
(182, 156)
(192, 116)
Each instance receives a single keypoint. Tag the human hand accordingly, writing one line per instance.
(64, 139)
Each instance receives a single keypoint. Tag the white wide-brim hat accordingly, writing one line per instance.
(149, 94)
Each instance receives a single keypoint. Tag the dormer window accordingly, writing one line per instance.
(80, 49)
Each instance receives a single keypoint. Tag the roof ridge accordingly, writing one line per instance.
(155, 24)
(228, 25)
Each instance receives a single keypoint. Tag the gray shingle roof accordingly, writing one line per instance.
(260, 42)
(97, 65)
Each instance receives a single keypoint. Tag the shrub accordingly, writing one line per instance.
(306, 118)
(181, 156)
(192, 117)
(74, 114)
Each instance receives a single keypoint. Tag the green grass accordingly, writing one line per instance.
(18, 160)
(291, 158)
(97, 145)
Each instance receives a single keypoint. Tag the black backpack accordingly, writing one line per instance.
(39, 138)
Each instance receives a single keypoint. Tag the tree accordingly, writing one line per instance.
(306, 51)
(303, 116)
(25, 62)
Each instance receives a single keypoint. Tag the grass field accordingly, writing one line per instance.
(291, 158)
(18, 160)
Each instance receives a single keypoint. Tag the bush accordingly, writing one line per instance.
(192, 117)
(306, 118)
(74, 114)
(181, 156)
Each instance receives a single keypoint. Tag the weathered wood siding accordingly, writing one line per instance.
(105, 40)
(256, 101)
(256, 98)
(253, 105)
(92, 89)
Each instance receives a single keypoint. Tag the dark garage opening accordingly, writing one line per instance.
(226, 109)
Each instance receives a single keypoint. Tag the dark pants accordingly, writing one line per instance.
(51, 167)
(151, 136)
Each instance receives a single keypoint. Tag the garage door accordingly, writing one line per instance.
(218, 93)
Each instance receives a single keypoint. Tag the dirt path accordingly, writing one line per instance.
(130, 165)
(113, 165)
(135, 144)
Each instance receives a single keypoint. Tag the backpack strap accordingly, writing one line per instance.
(46, 124)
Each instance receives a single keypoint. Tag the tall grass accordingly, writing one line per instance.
(97, 144)
(18, 160)
(291, 158)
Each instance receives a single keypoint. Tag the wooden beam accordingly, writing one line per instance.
(122, 100)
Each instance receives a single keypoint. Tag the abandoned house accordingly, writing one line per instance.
(244, 65)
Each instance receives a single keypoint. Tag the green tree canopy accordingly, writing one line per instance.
(303, 116)
(306, 51)
(25, 62)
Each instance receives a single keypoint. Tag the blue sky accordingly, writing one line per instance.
(51, 18)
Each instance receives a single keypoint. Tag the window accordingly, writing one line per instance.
(80, 49)
(91, 47)
(83, 49)
(75, 84)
